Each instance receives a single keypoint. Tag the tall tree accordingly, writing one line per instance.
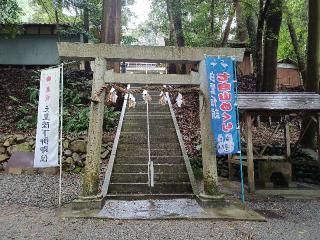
(111, 26)
(313, 66)
(174, 9)
(175, 20)
(226, 32)
(263, 8)
(241, 33)
(86, 27)
(271, 38)
(296, 46)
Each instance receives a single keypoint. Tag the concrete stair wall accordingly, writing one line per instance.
(129, 176)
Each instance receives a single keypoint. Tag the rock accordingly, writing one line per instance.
(66, 143)
(20, 138)
(105, 154)
(31, 142)
(69, 160)
(8, 142)
(76, 157)
(67, 153)
(79, 146)
(103, 149)
(3, 157)
(2, 150)
(68, 167)
(107, 138)
(22, 147)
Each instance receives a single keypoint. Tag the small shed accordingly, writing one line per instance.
(35, 46)
(288, 74)
(253, 105)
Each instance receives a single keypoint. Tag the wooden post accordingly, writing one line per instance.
(287, 137)
(209, 162)
(250, 152)
(92, 168)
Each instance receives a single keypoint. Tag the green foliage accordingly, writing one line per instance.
(299, 14)
(111, 118)
(10, 12)
(76, 106)
(76, 121)
(10, 17)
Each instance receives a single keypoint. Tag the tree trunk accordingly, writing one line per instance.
(271, 40)
(87, 67)
(212, 21)
(242, 33)
(263, 8)
(252, 33)
(106, 24)
(172, 69)
(296, 47)
(111, 26)
(313, 67)
(174, 14)
(227, 29)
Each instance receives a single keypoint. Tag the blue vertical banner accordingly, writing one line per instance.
(221, 78)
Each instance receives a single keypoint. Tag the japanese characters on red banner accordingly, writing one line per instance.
(220, 73)
(47, 138)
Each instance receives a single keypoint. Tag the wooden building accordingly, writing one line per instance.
(35, 46)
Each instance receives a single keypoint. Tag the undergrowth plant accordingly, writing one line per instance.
(76, 104)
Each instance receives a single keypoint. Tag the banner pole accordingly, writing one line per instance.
(61, 142)
(239, 132)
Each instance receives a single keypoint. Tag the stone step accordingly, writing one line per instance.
(143, 178)
(144, 129)
(153, 152)
(143, 139)
(155, 159)
(143, 168)
(134, 146)
(153, 108)
(148, 196)
(144, 188)
(152, 117)
(153, 134)
(153, 126)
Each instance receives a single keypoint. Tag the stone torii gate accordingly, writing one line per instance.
(101, 53)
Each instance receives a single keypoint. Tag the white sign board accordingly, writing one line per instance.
(47, 138)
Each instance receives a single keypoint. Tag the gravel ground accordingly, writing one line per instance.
(27, 211)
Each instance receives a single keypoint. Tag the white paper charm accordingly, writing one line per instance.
(113, 96)
(132, 101)
(146, 96)
(179, 100)
(163, 99)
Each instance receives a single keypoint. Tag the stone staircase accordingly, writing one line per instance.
(129, 178)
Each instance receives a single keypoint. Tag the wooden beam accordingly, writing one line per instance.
(209, 161)
(250, 162)
(116, 53)
(92, 168)
(161, 79)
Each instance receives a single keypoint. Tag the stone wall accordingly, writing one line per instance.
(74, 149)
